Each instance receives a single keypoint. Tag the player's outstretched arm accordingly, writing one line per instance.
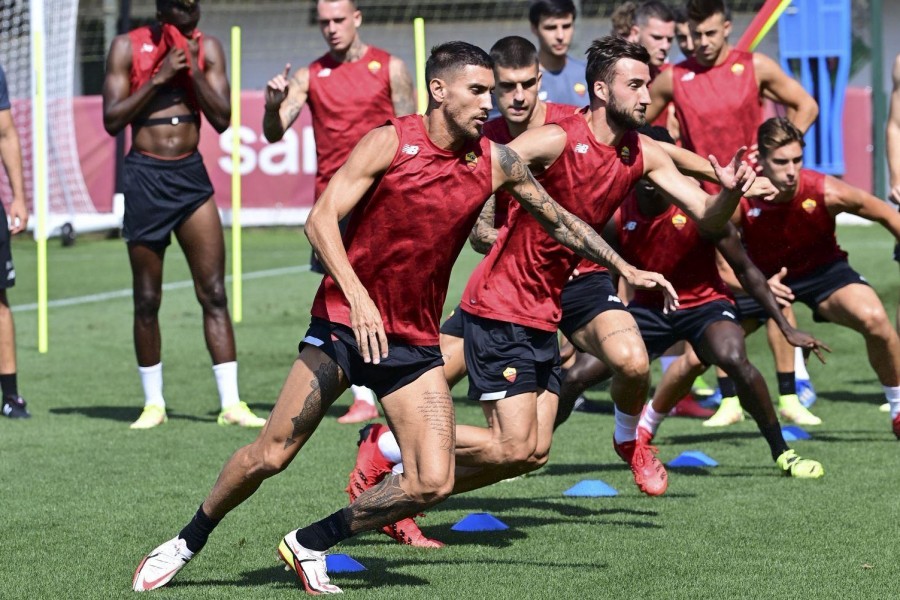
(893, 134)
(712, 213)
(211, 83)
(754, 283)
(285, 97)
(370, 158)
(511, 173)
(778, 86)
(484, 234)
(843, 197)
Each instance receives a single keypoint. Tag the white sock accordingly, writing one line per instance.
(388, 446)
(626, 427)
(651, 419)
(151, 380)
(893, 397)
(226, 381)
(800, 371)
(361, 392)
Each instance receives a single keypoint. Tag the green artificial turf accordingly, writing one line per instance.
(83, 498)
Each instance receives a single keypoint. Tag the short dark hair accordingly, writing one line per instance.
(514, 52)
(550, 8)
(701, 10)
(605, 52)
(653, 9)
(451, 56)
(775, 133)
(680, 14)
(164, 5)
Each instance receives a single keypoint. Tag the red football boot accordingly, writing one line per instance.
(649, 474)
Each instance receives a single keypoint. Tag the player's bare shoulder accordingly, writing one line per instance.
(376, 150)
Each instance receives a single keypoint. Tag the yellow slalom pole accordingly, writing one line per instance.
(39, 144)
(236, 251)
(770, 22)
(421, 84)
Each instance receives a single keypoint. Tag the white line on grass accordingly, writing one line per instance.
(175, 285)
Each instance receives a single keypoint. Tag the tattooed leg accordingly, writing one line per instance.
(313, 384)
(614, 337)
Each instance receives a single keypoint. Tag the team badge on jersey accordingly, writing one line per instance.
(374, 66)
(679, 221)
(809, 205)
(737, 69)
(625, 154)
(509, 374)
(580, 89)
(471, 161)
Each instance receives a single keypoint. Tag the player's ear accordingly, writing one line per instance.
(727, 28)
(357, 18)
(438, 89)
(601, 91)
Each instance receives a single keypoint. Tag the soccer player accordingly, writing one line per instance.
(650, 231)
(817, 270)
(383, 331)
(553, 22)
(13, 405)
(351, 89)
(160, 79)
(893, 150)
(683, 32)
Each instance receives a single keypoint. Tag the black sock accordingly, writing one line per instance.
(197, 531)
(772, 433)
(324, 534)
(726, 387)
(9, 385)
(787, 383)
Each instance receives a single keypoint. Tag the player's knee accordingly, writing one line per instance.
(632, 364)
(876, 323)
(146, 304)
(736, 364)
(432, 487)
(212, 295)
(264, 460)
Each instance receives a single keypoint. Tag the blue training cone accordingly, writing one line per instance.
(480, 522)
(591, 488)
(792, 433)
(341, 563)
(692, 458)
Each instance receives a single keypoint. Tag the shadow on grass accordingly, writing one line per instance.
(124, 414)
(873, 398)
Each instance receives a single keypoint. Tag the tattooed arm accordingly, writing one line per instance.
(285, 98)
(401, 88)
(511, 173)
(484, 234)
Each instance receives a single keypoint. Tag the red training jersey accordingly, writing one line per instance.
(663, 119)
(798, 235)
(718, 107)
(670, 244)
(150, 45)
(521, 278)
(346, 100)
(402, 259)
(497, 130)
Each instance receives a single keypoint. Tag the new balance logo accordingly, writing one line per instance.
(630, 225)
(411, 150)
(581, 148)
(324, 73)
(612, 298)
(728, 314)
(145, 48)
(688, 76)
(754, 212)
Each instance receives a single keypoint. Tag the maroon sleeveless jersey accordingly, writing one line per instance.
(346, 100)
(663, 119)
(521, 278)
(497, 130)
(797, 235)
(403, 259)
(717, 107)
(670, 244)
(150, 45)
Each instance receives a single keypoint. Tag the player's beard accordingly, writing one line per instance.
(458, 130)
(622, 117)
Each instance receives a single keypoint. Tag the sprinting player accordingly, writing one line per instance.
(160, 78)
(892, 147)
(518, 82)
(717, 94)
(655, 234)
(369, 329)
(553, 22)
(351, 89)
(818, 273)
(13, 405)
(511, 306)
